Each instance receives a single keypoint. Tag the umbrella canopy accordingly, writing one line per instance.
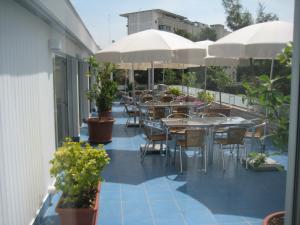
(153, 45)
(156, 65)
(220, 61)
(261, 41)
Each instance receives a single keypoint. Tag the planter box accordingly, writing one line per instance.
(269, 165)
(74, 216)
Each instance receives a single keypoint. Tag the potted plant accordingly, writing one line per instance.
(274, 219)
(102, 92)
(77, 168)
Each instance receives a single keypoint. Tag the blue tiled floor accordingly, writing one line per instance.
(153, 194)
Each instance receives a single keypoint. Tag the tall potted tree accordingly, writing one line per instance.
(102, 92)
(77, 168)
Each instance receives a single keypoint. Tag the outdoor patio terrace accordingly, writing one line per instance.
(153, 194)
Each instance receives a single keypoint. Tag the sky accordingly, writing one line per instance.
(103, 20)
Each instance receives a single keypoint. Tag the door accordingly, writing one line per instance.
(61, 99)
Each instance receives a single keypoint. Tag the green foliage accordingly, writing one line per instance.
(183, 33)
(189, 79)
(170, 76)
(77, 168)
(104, 90)
(272, 95)
(205, 96)
(174, 91)
(257, 159)
(218, 76)
(262, 16)
(237, 17)
(207, 33)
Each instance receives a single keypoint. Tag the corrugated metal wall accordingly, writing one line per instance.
(27, 127)
(27, 121)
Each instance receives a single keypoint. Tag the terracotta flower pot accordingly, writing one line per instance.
(83, 216)
(100, 130)
(274, 219)
(106, 114)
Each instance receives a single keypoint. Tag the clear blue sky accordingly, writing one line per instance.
(103, 20)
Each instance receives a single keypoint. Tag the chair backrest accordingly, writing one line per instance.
(213, 114)
(182, 109)
(166, 98)
(179, 115)
(195, 137)
(260, 130)
(224, 111)
(190, 98)
(147, 98)
(235, 135)
(158, 112)
(138, 92)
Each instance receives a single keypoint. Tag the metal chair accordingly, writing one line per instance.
(194, 138)
(178, 130)
(256, 133)
(235, 136)
(132, 113)
(153, 134)
(166, 98)
(146, 98)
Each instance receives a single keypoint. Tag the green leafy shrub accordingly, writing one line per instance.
(174, 91)
(272, 95)
(77, 168)
(205, 96)
(104, 90)
(257, 159)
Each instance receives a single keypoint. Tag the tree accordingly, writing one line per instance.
(262, 16)
(207, 34)
(189, 80)
(237, 17)
(183, 33)
(170, 77)
(221, 80)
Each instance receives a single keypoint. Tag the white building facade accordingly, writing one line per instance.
(43, 44)
(163, 20)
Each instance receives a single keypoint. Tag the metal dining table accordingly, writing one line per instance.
(208, 123)
(169, 106)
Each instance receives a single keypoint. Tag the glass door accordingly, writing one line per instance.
(61, 99)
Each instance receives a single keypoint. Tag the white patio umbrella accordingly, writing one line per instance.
(258, 41)
(150, 46)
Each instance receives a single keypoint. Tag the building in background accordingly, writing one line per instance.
(42, 97)
(162, 20)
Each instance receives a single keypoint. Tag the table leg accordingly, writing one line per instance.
(167, 148)
(210, 144)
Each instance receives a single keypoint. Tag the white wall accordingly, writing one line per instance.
(27, 131)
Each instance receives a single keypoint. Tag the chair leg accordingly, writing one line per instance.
(174, 158)
(145, 151)
(223, 157)
(238, 152)
(180, 155)
(205, 159)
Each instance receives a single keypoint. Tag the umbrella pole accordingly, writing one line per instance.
(205, 77)
(125, 85)
(149, 79)
(133, 83)
(182, 72)
(272, 68)
(163, 76)
(267, 113)
(152, 75)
